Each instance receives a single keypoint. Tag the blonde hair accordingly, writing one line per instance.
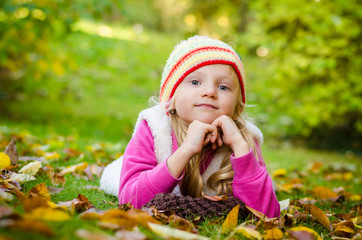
(221, 180)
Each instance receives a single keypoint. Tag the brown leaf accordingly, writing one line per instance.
(320, 216)
(79, 204)
(30, 225)
(182, 224)
(33, 201)
(12, 152)
(91, 214)
(304, 233)
(231, 220)
(54, 190)
(88, 235)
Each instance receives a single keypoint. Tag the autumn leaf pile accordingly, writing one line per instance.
(34, 173)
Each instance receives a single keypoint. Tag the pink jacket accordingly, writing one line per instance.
(142, 177)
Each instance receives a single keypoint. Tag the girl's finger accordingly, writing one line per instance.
(207, 139)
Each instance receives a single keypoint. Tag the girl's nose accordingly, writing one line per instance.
(209, 91)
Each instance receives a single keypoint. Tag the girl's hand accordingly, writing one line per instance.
(231, 136)
(198, 135)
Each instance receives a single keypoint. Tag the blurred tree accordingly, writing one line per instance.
(315, 58)
(27, 28)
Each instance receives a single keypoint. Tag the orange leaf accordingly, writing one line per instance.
(323, 193)
(273, 234)
(41, 190)
(231, 220)
(320, 216)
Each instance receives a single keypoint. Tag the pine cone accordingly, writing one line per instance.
(189, 207)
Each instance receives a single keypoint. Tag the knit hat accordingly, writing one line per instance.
(193, 53)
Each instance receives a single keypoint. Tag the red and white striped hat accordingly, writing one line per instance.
(193, 53)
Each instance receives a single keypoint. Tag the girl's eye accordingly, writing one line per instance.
(195, 82)
(224, 88)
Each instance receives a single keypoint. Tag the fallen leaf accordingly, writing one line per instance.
(248, 232)
(134, 235)
(32, 201)
(52, 155)
(182, 224)
(48, 214)
(284, 204)
(273, 234)
(91, 214)
(343, 231)
(304, 233)
(91, 235)
(231, 220)
(20, 177)
(216, 198)
(32, 226)
(79, 204)
(168, 232)
(4, 161)
(279, 173)
(75, 168)
(5, 196)
(323, 193)
(320, 216)
(31, 168)
(12, 152)
(315, 167)
(41, 190)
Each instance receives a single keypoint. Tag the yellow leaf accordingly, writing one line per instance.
(279, 173)
(248, 233)
(75, 168)
(355, 198)
(52, 155)
(31, 168)
(320, 216)
(323, 193)
(231, 220)
(273, 234)
(307, 232)
(343, 231)
(4, 161)
(173, 233)
(48, 214)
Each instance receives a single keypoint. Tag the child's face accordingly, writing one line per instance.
(207, 93)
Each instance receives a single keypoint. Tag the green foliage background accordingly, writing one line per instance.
(89, 67)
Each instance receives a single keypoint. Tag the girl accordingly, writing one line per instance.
(195, 141)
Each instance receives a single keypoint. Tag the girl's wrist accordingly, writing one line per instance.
(240, 148)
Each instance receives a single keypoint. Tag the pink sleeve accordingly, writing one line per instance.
(253, 185)
(141, 176)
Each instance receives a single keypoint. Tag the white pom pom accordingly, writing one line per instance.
(110, 177)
